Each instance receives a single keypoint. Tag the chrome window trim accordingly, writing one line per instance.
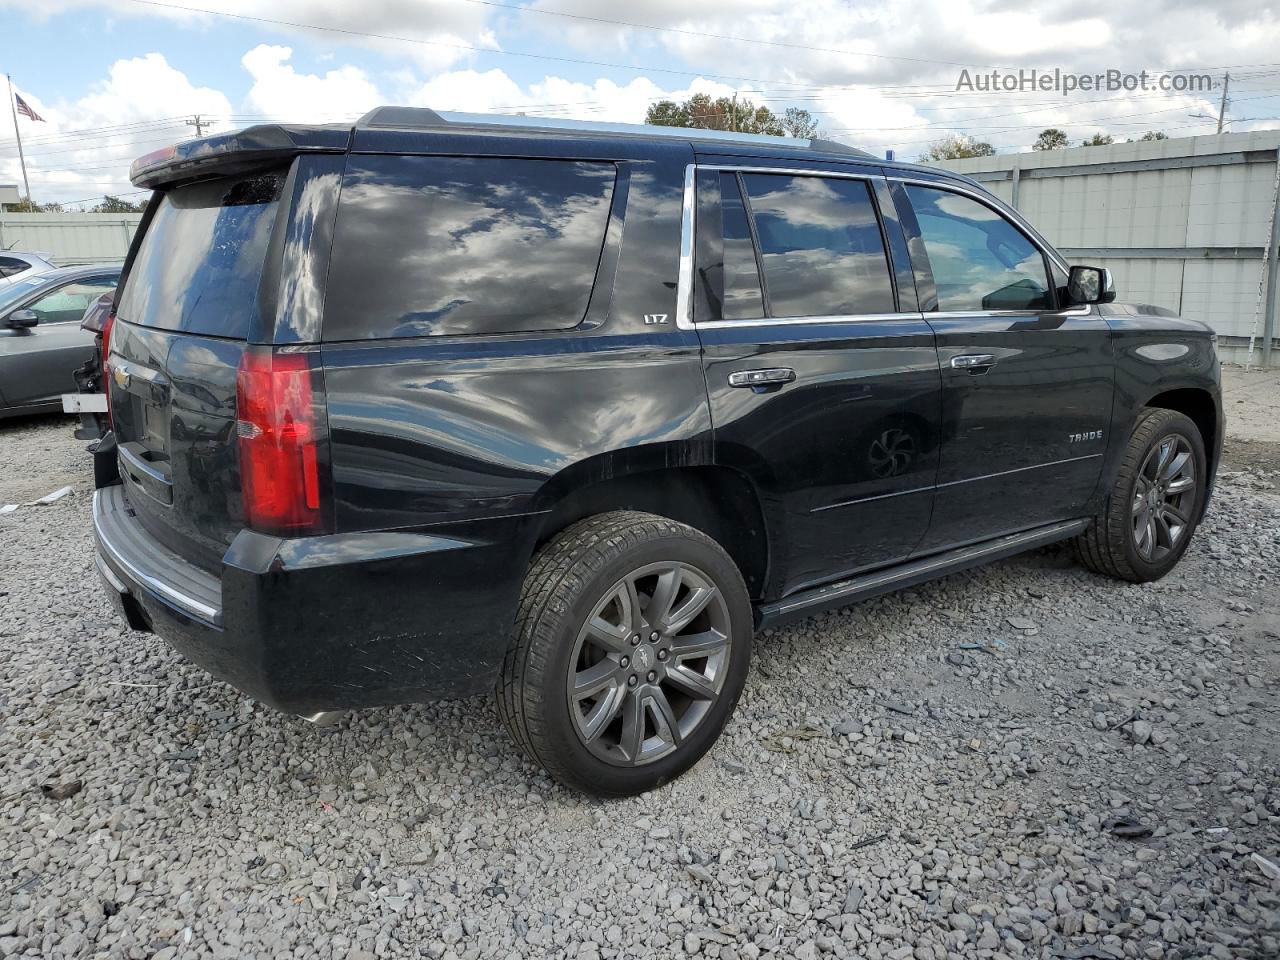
(955, 314)
(684, 280)
(786, 171)
(826, 319)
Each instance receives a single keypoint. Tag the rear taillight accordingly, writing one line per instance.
(279, 428)
(106, 354)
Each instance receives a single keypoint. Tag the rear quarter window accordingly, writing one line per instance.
(201, 260)
(430, 246)
(11, 266)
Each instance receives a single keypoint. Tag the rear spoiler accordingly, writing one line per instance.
(238, 152)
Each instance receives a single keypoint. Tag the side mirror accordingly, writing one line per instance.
(1090, 285)
(23, 319)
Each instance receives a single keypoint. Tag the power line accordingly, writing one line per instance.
(722, 36)
(130, 193)
(297, 25)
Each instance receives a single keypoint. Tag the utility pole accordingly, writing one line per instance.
(733, 113)
(17, 132)
(1222, 110)
(199, 124)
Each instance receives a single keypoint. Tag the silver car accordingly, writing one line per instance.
(41, 342)
(14, 265)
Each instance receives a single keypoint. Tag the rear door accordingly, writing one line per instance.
(1026, 383)
(36, 363)
(189, 303)
(823, 378)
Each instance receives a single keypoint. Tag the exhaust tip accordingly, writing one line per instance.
(323, 718)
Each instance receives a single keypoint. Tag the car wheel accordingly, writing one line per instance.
(630, 649)
(1154, 504)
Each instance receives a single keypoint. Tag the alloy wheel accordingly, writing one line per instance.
(1164, 496)
(649, 663)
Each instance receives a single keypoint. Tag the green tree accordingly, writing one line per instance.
(1098, 140)
(112, 204)
(1154, 135)
(958, 147)
(800, 124)
(1051, 139)
(725, 113)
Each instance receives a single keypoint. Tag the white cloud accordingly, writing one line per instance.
(144, 100)
(491, 91)
(441, 30)
(874, 75)
(282, 93)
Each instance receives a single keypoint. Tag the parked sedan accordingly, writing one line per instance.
(41, 341)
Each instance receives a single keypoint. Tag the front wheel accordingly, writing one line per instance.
(1155, 502)
(631, 648)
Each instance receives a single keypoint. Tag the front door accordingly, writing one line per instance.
(1026, 383)
(822, 390)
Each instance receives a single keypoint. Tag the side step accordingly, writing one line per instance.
(867, 585)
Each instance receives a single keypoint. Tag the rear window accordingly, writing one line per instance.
(11, 266)
(450, 245)
(200, 262)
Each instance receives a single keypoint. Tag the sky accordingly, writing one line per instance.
(117, 78)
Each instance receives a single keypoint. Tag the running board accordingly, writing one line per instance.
(867, 585)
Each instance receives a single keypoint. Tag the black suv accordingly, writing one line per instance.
(438, 404)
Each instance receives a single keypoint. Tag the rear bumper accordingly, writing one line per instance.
(326, 623)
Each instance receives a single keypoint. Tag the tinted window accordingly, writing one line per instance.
(446, 245)
(821, 246)
(11, 267)
(980, 260)
(201, 259)
(68, 303)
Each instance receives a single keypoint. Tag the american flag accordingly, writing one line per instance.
(25, 109)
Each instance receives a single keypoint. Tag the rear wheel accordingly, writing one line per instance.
(631, 648)
(1154, 505)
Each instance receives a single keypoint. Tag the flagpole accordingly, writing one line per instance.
(18, 133)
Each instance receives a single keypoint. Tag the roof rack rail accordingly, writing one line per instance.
(424, 118)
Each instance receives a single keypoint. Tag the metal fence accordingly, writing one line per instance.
(1189, 224)
(70, 238)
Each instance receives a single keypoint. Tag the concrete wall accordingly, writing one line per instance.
(70, 238)
(1182, 223)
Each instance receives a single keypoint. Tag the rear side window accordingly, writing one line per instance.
(821, 246)
(201, 259)
(816, 238)
(433, 246)
(11, 266)
(979, 260)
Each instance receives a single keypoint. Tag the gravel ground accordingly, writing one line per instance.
(947, 772)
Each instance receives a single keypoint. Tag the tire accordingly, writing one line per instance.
(610, 569)
(1114, 545)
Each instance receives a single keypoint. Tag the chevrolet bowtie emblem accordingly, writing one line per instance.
(121, 376)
